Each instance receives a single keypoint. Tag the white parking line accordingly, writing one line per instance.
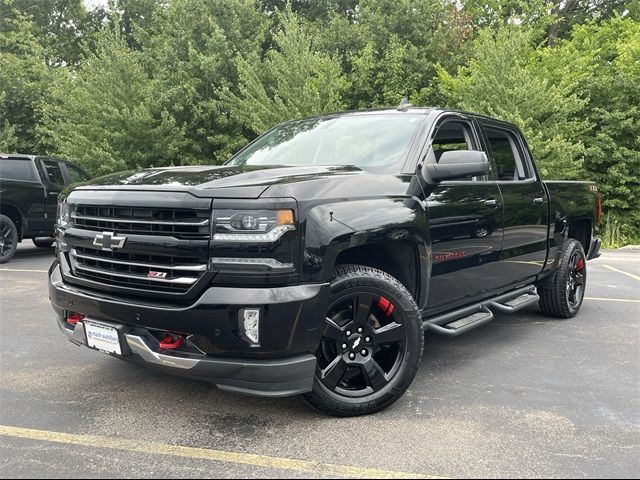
(628, 300)
(613, 269)
(22, 270)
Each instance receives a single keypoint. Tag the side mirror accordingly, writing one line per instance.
(455, 164)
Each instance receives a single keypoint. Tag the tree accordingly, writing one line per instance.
(23, 81)
(293, 80)
(481, 14)
(507, 79)
(190, 50)
(603, 62)
(568, 13)
(106, 115)
(405, 39)
(60, 27)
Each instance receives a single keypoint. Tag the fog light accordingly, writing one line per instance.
(250, 324)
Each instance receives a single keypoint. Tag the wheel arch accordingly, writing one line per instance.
(15, 215)
(398, 258)
(389, 234)
(581, 230)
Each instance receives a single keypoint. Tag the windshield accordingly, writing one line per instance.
(370, 142)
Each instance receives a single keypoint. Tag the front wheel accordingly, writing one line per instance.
(371, 345)
(562, 296)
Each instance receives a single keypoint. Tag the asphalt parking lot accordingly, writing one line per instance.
(523, 396)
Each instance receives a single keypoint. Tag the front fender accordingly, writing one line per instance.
(332, 228)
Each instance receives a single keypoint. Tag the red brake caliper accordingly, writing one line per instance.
(386, 306)
(579, 265)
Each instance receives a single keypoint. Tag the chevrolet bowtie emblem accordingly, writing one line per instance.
(109, 241)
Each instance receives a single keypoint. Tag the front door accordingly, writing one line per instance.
(465, 223)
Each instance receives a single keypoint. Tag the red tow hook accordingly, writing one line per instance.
(171, 343)
(74, 318)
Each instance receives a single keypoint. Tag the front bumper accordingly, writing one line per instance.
(284, 364)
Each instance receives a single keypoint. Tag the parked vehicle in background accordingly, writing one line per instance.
(29, 188)
(312, 261)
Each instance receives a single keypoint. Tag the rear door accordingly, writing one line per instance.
(526, 208)
(54, 182)
(465, 222)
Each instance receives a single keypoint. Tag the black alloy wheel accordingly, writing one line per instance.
(576, 280)
(562, 294)
(363, 344)
(8, 239)
(371, 344)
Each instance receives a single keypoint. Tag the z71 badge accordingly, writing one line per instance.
(153, 274)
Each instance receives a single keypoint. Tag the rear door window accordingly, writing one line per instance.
(54, 172)
(510, 165)
(18, 169)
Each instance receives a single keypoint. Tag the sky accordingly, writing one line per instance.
(95, 3)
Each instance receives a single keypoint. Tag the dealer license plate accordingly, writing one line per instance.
(102, 337)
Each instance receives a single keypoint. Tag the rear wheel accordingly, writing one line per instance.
(562, 296)
(371, 345)
(8, 239)
(44, 242)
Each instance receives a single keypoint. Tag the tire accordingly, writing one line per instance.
(8, 239)
(44, 242)
(480, 232)
(562, 295)
(371, 346)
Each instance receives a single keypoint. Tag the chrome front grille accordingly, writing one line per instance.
(138, 271)
(176, 222)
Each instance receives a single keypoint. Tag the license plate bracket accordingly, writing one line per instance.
(103, 337)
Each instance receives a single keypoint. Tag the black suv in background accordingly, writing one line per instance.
(29, 188)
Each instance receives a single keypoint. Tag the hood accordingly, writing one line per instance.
(221, 182)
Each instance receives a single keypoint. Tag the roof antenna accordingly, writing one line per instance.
(404, 105)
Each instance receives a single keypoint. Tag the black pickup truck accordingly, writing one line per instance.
(29, 188)
(313, 260)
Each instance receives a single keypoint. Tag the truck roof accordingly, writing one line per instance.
(402, 110)
(17, 156)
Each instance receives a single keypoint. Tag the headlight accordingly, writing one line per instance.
(64, 214)
(252, 225)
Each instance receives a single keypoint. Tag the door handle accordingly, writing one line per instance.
(538, 201)
(492, 203)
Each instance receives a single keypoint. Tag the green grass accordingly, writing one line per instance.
(615, 233)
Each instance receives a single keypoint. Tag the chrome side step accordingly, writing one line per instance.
(460, 321)
(464, 324)
(516, 304)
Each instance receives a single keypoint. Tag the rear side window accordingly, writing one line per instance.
(54, 172)
(14, 169)
(504, 147)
